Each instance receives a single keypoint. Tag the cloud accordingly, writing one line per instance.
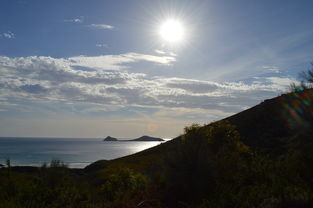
(278, 82)
(194, 86)
(102, 26)
(274, 69)
(115, 62)
(159, 51)
(91, 80)
(75, 20)
(8, 35)
(167, 60)
(164, 52)
(101, 45)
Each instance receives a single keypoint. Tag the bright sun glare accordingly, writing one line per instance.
(172, 31)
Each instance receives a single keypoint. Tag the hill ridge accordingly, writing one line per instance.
(263, 126)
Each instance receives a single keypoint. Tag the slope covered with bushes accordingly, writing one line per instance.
(261, 157)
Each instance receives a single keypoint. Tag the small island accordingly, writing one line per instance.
(110, 139)
(140, 139)
(147, 139)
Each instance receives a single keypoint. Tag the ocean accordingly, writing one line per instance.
(75, 152)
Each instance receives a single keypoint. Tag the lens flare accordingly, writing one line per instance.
(297, 108)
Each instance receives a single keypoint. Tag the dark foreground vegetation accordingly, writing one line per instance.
(259, 158)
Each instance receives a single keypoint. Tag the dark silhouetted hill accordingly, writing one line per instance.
(269, 124)
(266, 127)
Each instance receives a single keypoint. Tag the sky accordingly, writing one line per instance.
(77, 68)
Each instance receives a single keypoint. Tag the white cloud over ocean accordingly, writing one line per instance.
(108, 80)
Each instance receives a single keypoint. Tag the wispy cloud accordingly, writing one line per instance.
(116, 62)
(8, 35)
(277, 55)
(274, 69)
(158, 51)
(75, 20)
(102, 26)
(101, 45)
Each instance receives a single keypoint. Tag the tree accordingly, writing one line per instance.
(293, 87)
(209, 163)
(307, 76)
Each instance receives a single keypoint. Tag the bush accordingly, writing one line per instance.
(120, 183)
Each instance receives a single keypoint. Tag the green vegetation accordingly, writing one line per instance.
(261, 157)
(214, 166)
(57, 186)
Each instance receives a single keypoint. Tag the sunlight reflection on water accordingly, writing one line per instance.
(76, 153)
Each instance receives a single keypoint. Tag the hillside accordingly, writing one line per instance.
(261, 157)
(267, 124)
(264, 126)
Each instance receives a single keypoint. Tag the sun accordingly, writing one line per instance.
(172, 31)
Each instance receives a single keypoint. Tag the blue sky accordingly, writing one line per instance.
(80, 68)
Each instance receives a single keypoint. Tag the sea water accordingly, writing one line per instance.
(75, 152)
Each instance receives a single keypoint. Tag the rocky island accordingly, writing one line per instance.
(147, 139)
(110, 139)
(140, 139)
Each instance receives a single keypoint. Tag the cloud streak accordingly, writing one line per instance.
(75, 20)
(102, 26)
(101, 45)
(116, 62)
